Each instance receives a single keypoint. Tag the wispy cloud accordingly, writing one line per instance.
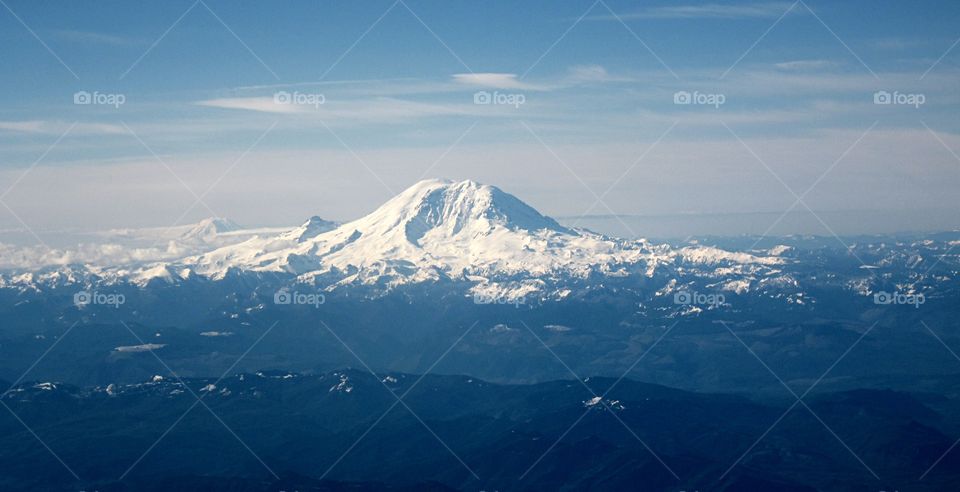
(389, 82)
(593, 74)
(47, 127)
(374, 110)
(760, 10)
(494, 81)
(800, 65)
(94, 38)
(259, 104)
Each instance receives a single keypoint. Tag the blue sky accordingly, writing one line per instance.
(596, 84)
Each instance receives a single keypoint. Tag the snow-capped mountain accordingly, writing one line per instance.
(312, 227)
(132, 248)
(434, 231)
(471, 239)
(208, 230)
(445, 230)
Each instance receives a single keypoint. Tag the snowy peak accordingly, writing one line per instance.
(207, 229)
(454, 230)
(313, 227)
(431, 209)
(432, 229)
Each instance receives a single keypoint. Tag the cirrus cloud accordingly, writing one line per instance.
(494, 81)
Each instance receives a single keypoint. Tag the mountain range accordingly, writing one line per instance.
(434, 231)
(469, 270)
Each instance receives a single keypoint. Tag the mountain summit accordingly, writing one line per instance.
(433, 229)
(207, 229)
(446, 230)
(433, 210)
(311, 228)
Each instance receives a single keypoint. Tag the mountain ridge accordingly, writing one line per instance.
(435, 231)
(448, 229)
